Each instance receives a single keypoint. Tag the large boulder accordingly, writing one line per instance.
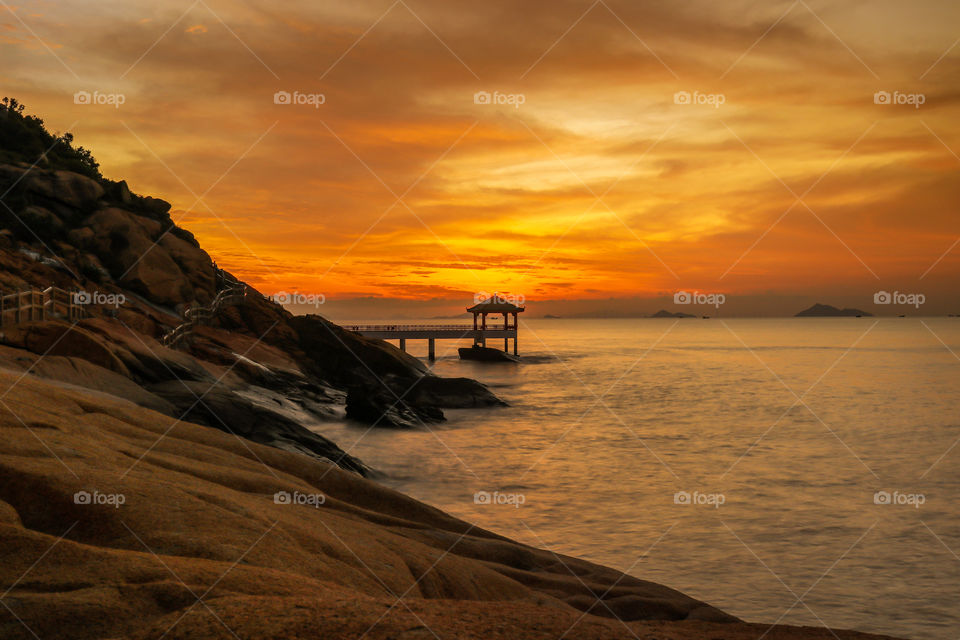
(156, 277)
(343, 356)
(377, 405)
(453, 393)
(69, 188)
(155, 206)
(127, 244)
(194, 262)
(119, 192)
(41, 221)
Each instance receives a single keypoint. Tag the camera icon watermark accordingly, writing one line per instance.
(697, 498)
(115, 500)
(897, 498)
(100, 99)
(298, 98)
(510, 99)
(885, 297)
(898, 98)
(314, 500)
(696, 297)
(496, 498)
(99, 297)
(715, 100)
(310, 299)
(510, 298)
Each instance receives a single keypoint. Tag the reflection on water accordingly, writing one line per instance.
(738, 461)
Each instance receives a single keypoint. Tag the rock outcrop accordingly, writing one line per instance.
(215, 406)
(109, 240)
(129, 243)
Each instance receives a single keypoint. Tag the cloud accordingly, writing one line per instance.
(599, 184)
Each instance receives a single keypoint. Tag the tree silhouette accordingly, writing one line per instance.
(24, 138)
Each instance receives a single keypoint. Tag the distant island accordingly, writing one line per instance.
(826, 311)
(551, 317)
(663, 313)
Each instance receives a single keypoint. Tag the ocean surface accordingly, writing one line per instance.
(801, 471)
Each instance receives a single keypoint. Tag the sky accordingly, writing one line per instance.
(400, 157)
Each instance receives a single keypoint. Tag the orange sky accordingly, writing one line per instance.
(598, 186)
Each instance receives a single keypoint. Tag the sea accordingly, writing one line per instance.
(800, 471)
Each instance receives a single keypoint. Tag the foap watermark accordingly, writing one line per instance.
(696, 297)
(114, 500)
(714, 100)
(897, 97)
(700, 499)
(299, 98)
(495, 497)
(897, 498)
(99, 297)
(512, 298)
(98, 98)
(284, 298)
(314, 500)
(885, 297)
(511, 99)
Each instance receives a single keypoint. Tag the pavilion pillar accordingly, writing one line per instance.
(403, 344)
(431, 349)
(506, 327)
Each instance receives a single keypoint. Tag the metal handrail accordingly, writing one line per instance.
(38, 305)
(425, 327)
(405, 327)
(197, 315)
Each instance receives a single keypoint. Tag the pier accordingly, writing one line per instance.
(481, 329)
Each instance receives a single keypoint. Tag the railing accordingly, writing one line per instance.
(37, 305)
(360, 328)
(408, 327)
(197, 315)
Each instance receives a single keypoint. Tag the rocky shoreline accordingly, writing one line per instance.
(142, 530)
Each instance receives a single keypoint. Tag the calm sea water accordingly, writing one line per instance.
(735, 460)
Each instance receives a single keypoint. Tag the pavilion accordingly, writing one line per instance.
(496, 305)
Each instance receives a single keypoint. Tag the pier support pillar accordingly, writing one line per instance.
(431, 349)
(403, 344)
(514, 346)
(506, 344)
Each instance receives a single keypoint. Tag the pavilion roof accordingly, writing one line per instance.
(495, 304)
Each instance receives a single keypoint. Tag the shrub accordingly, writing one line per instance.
(24, 138)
